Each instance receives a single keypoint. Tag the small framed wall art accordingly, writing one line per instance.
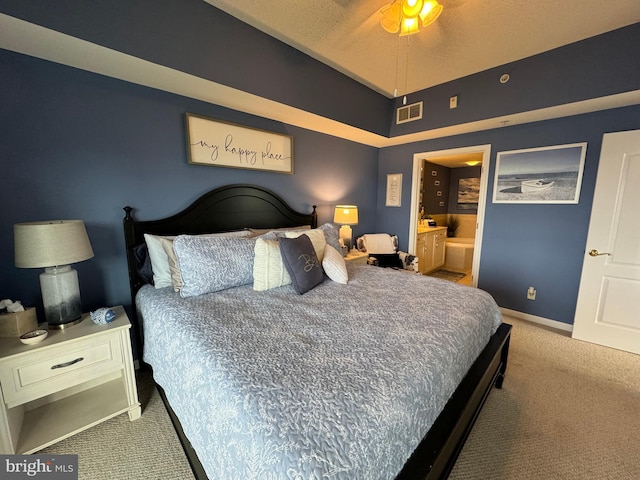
(394, 190)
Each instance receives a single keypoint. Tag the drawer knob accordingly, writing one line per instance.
(67, 364)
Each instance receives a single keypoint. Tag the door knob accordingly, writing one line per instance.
(595, 253)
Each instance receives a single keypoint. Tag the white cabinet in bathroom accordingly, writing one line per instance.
(430, 248)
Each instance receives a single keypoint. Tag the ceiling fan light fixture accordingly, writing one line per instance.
(412, 8)
(430, 12)
(406, 16)
(409, 26)
(391, 17)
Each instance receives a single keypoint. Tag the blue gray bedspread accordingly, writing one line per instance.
(339, 383)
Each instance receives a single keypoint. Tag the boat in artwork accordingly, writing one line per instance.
(535, 186)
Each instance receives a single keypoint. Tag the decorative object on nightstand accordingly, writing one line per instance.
(34, 336)
(70, 381)
(15, 319)
(102, 316)
(54, 245)
(346, 215)
(357, 257)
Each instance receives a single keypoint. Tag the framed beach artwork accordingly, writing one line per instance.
(540, 175)
(468, 193)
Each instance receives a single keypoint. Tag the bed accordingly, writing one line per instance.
(355, 380)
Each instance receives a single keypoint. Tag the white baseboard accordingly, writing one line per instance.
(541, 320)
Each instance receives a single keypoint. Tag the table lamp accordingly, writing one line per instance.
(346, 215)
(54, 245)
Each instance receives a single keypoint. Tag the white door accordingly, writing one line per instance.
(608, 310)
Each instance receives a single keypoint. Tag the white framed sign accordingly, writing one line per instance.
(223, 144)
(394, 190)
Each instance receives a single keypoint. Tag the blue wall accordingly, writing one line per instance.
(79, 145)
(572, 73)
(523, 245)
(194, 37)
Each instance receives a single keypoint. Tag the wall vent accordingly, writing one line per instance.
(409, 113)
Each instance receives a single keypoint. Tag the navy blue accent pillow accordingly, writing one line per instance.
(302, 264)
(143, 263)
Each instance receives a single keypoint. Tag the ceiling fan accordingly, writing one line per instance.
(407, 16)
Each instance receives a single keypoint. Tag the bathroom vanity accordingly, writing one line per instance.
(430, 248)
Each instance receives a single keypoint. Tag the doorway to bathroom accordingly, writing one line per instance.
(447, 184)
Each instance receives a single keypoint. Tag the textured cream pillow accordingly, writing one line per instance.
(334, 265)
(268, 269)
(317, 238)
(256, 232)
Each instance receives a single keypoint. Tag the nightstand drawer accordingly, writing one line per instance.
(28, 377)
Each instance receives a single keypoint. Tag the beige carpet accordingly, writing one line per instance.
(118, 449)
(568, 410)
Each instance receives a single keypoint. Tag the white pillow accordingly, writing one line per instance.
(316, 236)
(268, 268)
(159, 260)
(334, 265)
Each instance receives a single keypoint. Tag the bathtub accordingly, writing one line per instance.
(458, 254)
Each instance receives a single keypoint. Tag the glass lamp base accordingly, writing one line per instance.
(345, 235)
(61, 296)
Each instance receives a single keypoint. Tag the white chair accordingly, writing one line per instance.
(382, 249)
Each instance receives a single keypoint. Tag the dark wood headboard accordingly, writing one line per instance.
(224, 209)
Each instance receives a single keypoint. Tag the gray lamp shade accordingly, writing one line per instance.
(50, 243)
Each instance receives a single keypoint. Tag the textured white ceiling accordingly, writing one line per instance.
(470, 36)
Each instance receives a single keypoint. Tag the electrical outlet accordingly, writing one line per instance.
(531, 293)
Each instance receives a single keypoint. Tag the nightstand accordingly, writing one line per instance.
(357, 257)
(74, 379)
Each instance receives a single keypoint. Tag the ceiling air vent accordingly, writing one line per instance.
(409, 113)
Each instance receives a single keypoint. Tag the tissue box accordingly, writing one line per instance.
(15, 324)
